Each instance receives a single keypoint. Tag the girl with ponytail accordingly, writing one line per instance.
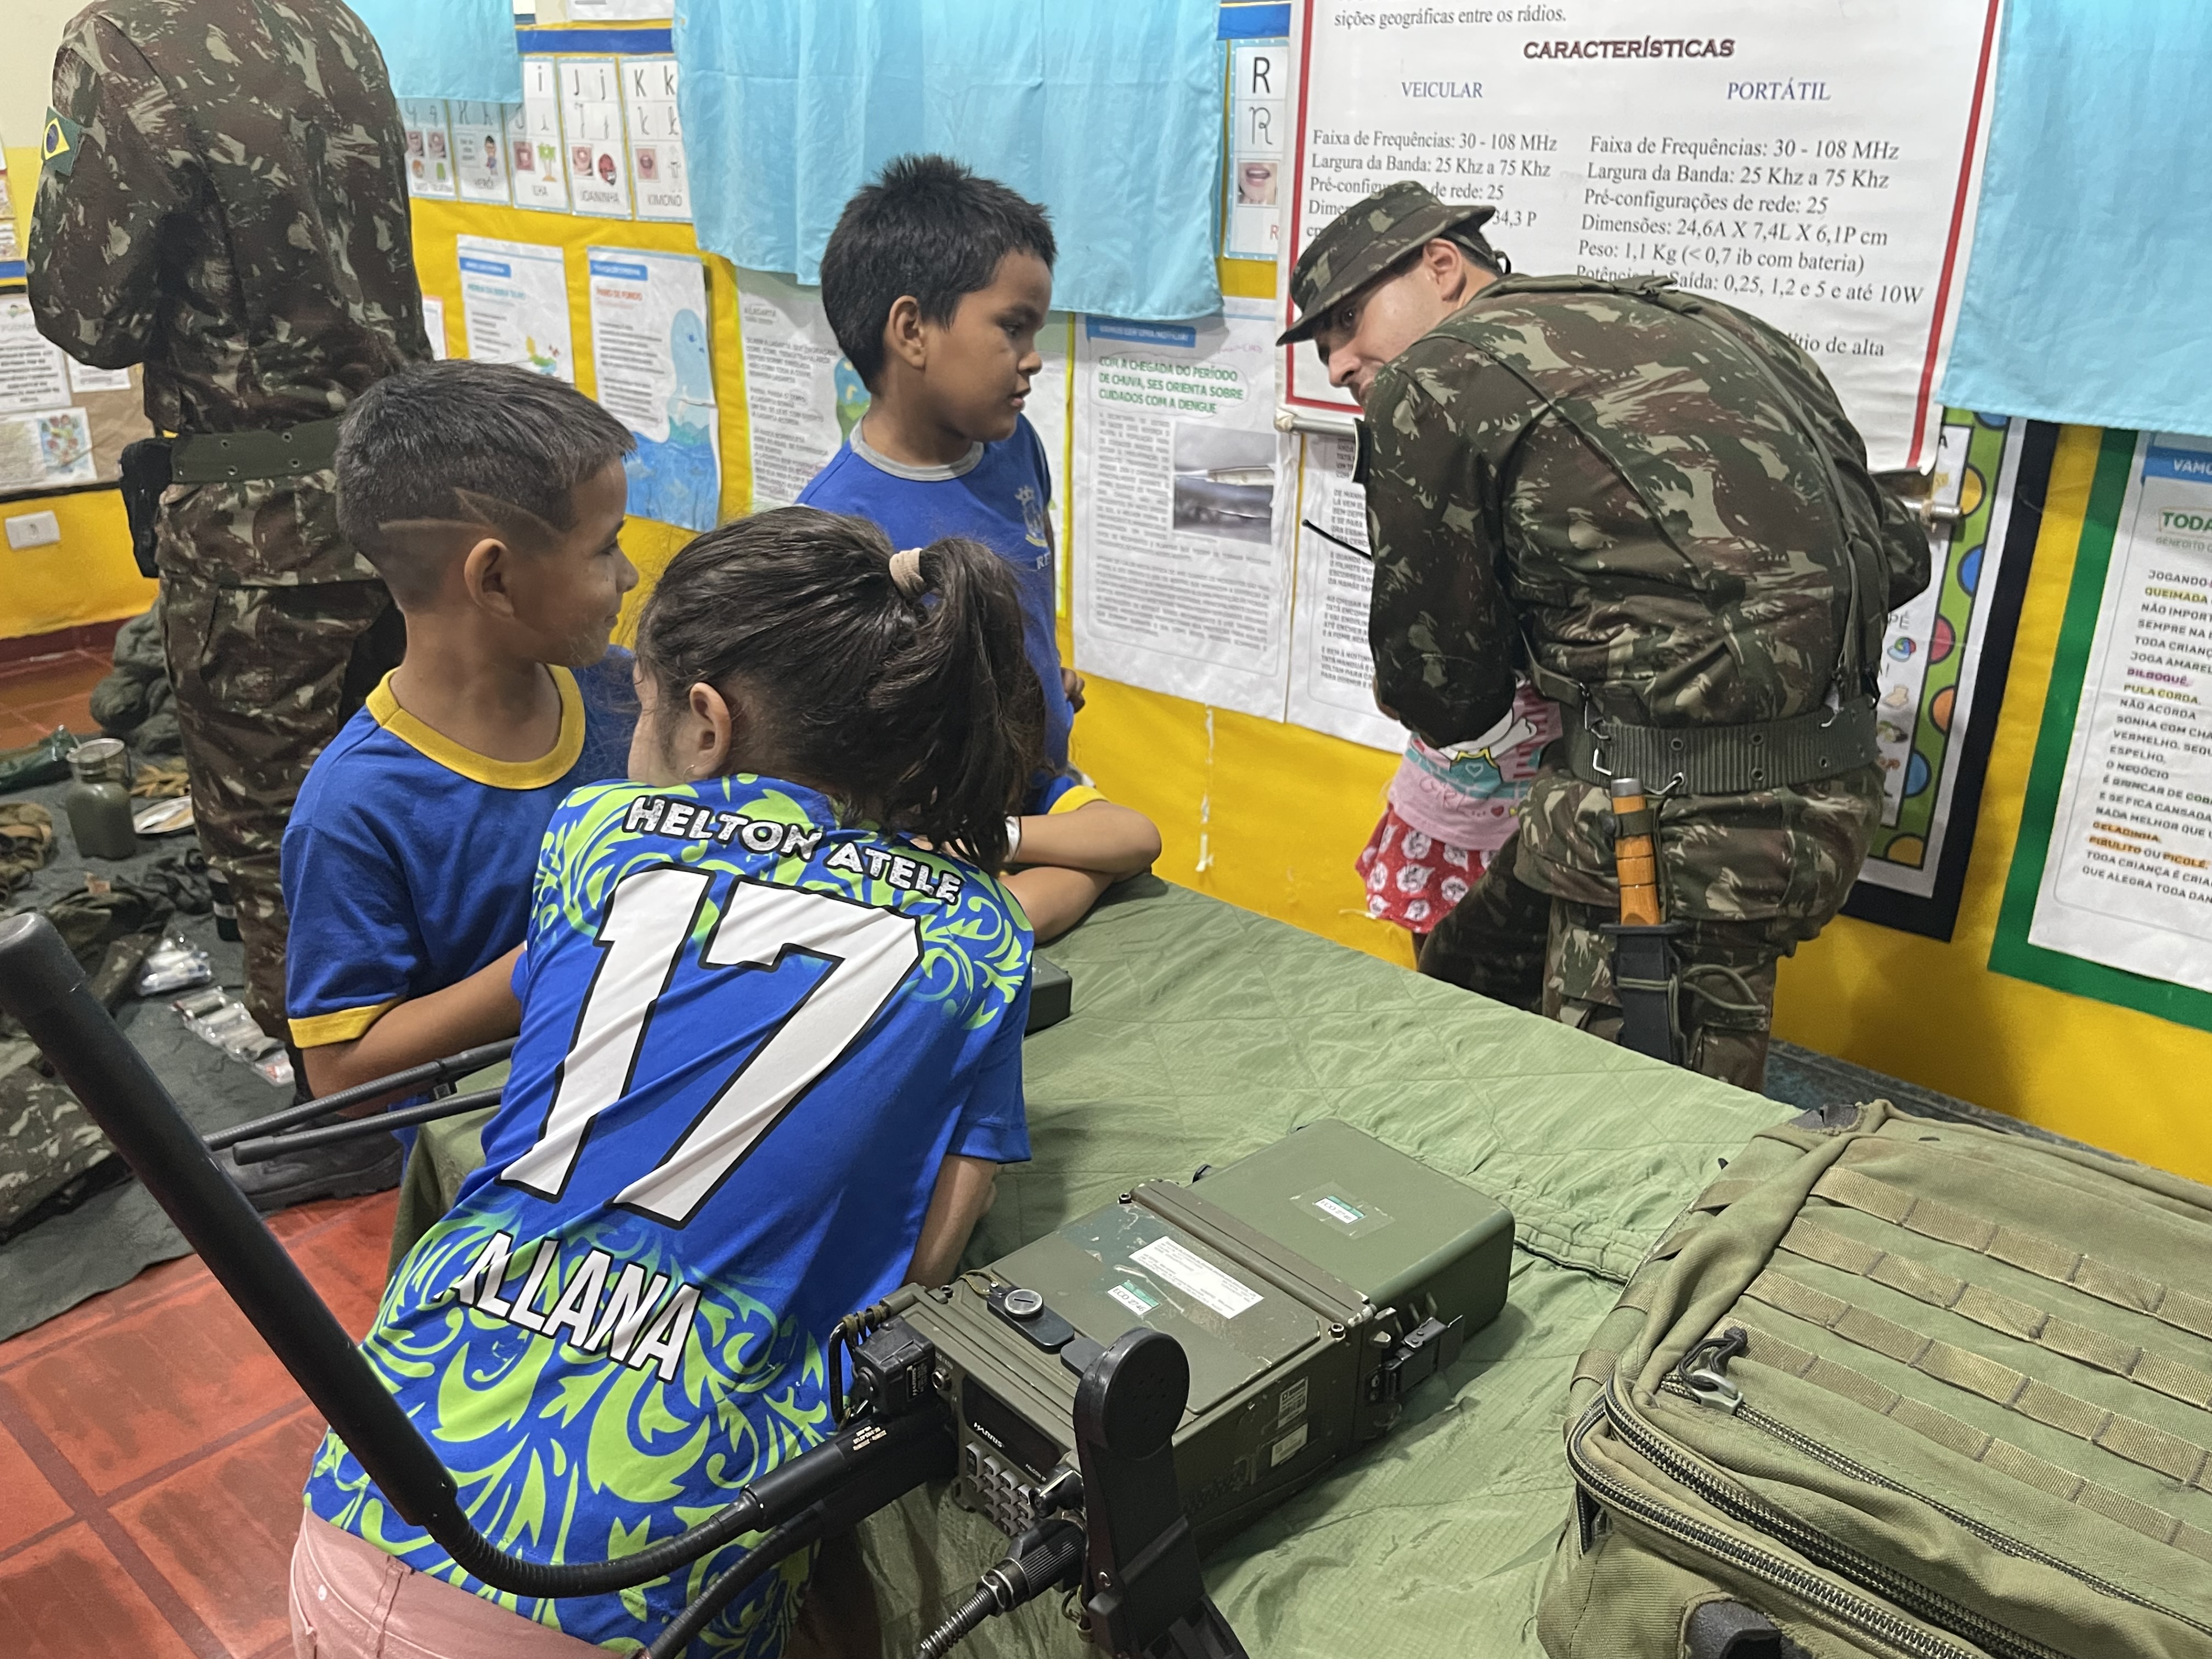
(773, 997)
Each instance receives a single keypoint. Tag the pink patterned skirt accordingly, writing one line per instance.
(1413, 878)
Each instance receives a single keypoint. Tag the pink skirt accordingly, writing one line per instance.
(1413, 878)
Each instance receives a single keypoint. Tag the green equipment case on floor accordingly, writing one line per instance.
(1901, 1388)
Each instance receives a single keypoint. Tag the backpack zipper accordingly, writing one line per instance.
(1808, 1586)
(1995, 1539)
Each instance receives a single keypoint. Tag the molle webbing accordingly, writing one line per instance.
(1727, 760)
(1991, 1453)
(2184, 1310)
(2007, 1314)
(238, 457)
(2186, 1461)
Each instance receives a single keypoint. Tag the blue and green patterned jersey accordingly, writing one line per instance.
(750, 1037)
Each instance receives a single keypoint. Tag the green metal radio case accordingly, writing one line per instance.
(1311, 1284)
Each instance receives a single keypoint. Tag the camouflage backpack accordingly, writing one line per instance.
(1900, 1388)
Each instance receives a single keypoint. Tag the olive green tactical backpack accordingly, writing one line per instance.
(1897, 1387)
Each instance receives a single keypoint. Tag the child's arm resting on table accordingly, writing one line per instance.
(965, 1188)
(482, 1008)
(1067, 861)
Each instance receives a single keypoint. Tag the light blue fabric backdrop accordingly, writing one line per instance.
(2089, 294)
(1108, 112)
(446, 48)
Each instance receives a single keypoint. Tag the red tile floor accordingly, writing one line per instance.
(151, 1456)
(39, 693)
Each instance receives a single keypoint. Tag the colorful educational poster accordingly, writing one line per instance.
(429, 141)
(592, 131)
(1943, 673)
(801, 396)
(514, 306)
(1332, 681)
(1817, 163)
(433, 324)
(1259, 122)
(660, 183)
(649, 347)
(481, 151)
(2128, 879)
(33, 373)
(540, 161)
(1180, 479)
(48, 450)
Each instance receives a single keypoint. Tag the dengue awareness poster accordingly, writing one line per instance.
(649, 346)
(1815, 162)
(2127, 878)
(514, 306)
(1178, 585)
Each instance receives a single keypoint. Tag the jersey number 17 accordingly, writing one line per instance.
(650, 918)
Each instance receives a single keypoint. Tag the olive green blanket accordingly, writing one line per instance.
(1202, 1032)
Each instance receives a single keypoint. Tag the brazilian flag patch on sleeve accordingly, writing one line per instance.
(58, 147)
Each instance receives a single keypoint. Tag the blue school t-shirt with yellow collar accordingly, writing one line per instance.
(750, 1036)
(408, 859)
(999, 495)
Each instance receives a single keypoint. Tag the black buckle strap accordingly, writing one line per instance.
(1727, 760)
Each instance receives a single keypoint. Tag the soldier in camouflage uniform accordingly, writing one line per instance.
(223, 200)
(1653, 505)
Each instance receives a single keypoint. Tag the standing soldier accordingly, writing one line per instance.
(224, 201)
(1652, 506)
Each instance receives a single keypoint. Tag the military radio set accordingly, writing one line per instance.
(1117, 1396)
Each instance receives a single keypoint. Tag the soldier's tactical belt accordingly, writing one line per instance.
(1727, 760)
(236, 457)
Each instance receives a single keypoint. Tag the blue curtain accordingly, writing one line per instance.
(2086, 299)
(446, 48)
(1108, 112)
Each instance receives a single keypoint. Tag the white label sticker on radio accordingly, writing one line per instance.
(1337, 1210)
(1287, 1448)
(1166, 1260)
(1132, 1298)
(1292, 1405)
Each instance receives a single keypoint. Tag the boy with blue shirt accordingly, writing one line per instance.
(491, 500)
(936, 283)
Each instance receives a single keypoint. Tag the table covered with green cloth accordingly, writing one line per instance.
(1202, 1032)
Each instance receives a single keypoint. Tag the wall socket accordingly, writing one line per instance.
(34, 530)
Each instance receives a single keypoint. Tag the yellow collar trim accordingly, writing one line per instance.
(435, 744)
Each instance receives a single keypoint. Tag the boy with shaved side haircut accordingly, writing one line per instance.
(491, 502)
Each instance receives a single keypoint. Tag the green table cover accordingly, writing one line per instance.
(1202, 1032)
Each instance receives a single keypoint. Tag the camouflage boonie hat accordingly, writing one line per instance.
(1367, 240)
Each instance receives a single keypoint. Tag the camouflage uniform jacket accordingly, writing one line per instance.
(1604, 479)
(233, 216)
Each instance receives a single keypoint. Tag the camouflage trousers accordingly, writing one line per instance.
(264, 677)
(1508, 942)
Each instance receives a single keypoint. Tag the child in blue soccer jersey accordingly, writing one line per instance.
(770, 1062)
(491, 500)
(936, 283)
